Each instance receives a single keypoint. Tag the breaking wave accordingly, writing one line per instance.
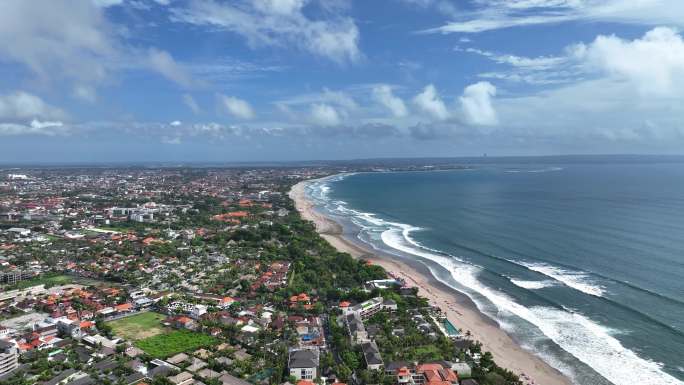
(585, 339)
(532, 285)
(577, 280)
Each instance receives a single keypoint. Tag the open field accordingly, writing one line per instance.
(139, 326)
(177, 341)
(48, 280)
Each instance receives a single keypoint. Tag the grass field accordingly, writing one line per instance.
(178, 341)
(139, 326)
(48, 280)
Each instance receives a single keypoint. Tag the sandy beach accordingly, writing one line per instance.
(458, 308)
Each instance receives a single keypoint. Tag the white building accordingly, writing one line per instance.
(303, 364)
(367, 309)
(197, 311)
(9, 356)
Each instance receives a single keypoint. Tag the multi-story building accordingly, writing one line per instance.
(303, 364)
(9, 356)
(367, 309)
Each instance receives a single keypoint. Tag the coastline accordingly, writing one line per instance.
(457, 306)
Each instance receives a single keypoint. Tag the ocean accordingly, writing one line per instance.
(582, 264)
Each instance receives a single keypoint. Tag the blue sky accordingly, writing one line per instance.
(240, 80)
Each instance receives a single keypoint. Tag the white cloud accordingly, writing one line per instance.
(430, 102)
(476, 104)
(340, 99)
(653, 63)
(499, 14)
(324, 115)
(191, 103)
(283, 7)
(162, 62)
(531, 63)
(237, 107)
(35, 127)
(278, 23)
(57, 38)
(383, 94)
(175, 123)
(22, 105)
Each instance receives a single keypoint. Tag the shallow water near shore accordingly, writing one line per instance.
(582, 264)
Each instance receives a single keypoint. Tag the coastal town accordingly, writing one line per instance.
(207, 276)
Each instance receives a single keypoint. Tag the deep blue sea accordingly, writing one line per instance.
(583, 264)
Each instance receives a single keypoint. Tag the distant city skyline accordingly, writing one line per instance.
(283, 80)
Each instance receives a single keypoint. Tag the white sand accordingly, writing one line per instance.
(459, 310)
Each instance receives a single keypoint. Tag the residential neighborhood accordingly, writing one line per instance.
(203, 276)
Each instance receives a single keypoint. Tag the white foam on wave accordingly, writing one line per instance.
(588, 341)
(585, 339)
(594, 345)
(532, 285)
(577, 280)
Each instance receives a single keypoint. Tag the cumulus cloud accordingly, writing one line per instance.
(278, 23)
(653, 63)
(324, 115)
(476, 104)
(383, 94)
(431, 103)
(237, 107)
(22, 105)
(62, 41)
(64, 38)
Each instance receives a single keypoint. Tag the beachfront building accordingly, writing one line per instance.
(422, 374)
(367, 309)
(9, 356)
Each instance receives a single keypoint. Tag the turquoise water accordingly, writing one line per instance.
(450, 328)
(581, 263)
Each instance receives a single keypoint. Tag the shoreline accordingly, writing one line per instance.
(458, 307)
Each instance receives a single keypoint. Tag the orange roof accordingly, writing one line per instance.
(86, 324)
(304, 382)
(303, 297)
(426, 367)
(123, 306)
(345, 304)
(403, 371)
(227, 299)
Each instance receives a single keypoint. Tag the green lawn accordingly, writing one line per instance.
(48, 280)
(178, 341)
(139, 326)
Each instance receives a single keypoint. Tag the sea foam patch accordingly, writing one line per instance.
(532, 285)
